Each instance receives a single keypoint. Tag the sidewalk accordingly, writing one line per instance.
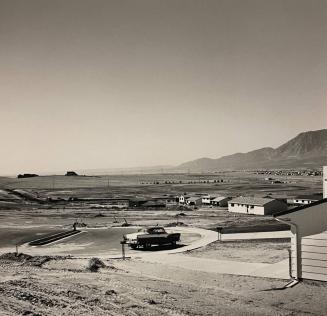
(277, 270)
(261, 235)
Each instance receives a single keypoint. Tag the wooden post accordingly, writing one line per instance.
(123, 249)
(219, 230)
(16, 249)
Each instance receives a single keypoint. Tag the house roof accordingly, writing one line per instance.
(313, 197)
(219, 198)
(300, 208)
(209, 196)
(194, 198)
(251, 200)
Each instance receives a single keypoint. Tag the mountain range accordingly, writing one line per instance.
(306, 150)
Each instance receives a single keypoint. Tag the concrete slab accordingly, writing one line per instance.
(260, 235)
(277, 271)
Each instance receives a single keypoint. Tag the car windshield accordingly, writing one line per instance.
(156, 230)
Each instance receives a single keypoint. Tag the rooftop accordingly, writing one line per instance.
(313, 197)
(250, 200)
(194, 198)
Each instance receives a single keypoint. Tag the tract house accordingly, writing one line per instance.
(194, 201)
(308, 224)
(221, 201)
(256, 205)
(206, 200)
(306, 199)
(182, 199)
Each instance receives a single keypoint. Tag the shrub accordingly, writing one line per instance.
(95, 264)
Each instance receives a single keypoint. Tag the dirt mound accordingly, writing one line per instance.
(13, 256)
(26, 259)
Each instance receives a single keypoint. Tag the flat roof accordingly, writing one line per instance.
(313, 197)
(300, 208)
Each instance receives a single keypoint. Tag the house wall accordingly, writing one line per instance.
(258, 210)
(181, 199)
(314, 256)
(237, 208)
(311, 223)
(246, 209)
(274, 207)
(206, 200)
(302, 202)
(196, 202)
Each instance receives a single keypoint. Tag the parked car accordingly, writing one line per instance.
(147, 237)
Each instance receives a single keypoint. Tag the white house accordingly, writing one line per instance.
(221, 201)
(309, 240)
(306, 199)
(206, 200)
(182, 199)
(256, 205)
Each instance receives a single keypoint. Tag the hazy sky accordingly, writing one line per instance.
(96, 84)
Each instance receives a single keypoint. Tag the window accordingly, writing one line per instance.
(232, 204)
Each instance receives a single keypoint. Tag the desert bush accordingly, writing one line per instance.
(95, 264)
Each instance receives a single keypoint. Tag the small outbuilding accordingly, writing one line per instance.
(194, 201)
(308, 224)
(256, 205)
(221, 201)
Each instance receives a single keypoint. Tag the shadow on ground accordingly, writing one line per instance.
(159, 248)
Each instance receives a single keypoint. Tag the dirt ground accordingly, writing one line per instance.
(132, 287)
(264, 251)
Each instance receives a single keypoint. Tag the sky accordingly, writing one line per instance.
(109, 84)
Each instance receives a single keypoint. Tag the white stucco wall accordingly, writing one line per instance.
(206, 200)
(258, 210)
(237, 208)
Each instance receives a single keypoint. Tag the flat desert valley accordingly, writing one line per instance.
(202, 276)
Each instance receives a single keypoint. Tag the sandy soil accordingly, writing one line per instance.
(132, 287)
(265, 251)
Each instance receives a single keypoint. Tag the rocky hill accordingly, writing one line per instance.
(308, 149)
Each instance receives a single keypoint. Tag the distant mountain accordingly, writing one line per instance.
(308, 149)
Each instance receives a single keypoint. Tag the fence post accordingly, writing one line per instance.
(219, 231)
(123, 249)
